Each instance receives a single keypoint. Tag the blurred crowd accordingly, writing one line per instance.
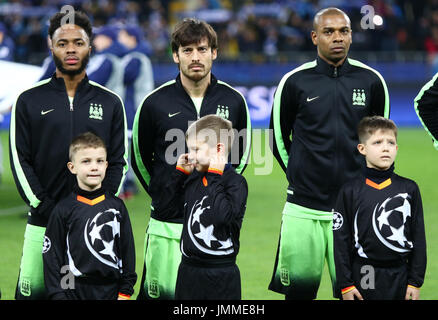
(252, 29)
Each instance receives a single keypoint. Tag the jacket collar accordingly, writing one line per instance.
(330, 70)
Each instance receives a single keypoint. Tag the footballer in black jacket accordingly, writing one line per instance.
(158, 138)
(44, 120)
(426, 107)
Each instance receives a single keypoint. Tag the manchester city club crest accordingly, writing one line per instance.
(223, 112)
(96, 111)
(202, 233)
(390, 220)
(359, 97)
(101, 236)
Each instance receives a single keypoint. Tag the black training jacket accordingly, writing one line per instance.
(379, 219)
(89, 240)
(315, 114)
(43, 124)
(159, 132)
(426, 107)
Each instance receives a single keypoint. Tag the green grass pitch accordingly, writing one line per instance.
(417, 159)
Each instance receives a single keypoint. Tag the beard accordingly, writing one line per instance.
(59, 65)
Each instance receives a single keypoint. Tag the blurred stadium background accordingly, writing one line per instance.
(259, 41)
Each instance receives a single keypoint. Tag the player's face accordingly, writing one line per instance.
(89, 165)
(195, 60)
(70, 49)
(380, 149)
(199, 153)
(332, 38)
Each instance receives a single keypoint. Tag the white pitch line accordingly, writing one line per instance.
(14, 210)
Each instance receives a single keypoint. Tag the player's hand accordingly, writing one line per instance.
(412, 293)
(219, 159)
(183, 162)
(350, 295)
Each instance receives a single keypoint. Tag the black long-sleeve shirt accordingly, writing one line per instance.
(426, 106)
(379, 217)
(90, 232)
(214, 206)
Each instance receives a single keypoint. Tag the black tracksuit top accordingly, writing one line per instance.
(379, 218)
(169, 110)
(90, 232)
(43, 124)
(315, 114)
(426, 107)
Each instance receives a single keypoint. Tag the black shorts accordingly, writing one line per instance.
(211, 282)
(377, 282)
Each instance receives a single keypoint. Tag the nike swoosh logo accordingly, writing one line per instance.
(311, 99)
(173, 114)
(46, 112)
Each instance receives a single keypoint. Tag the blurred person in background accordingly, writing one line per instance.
(6, 44)
(138, 81)
(105, 66)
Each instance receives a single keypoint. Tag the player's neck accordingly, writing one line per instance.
(196, 89)
(71, 81)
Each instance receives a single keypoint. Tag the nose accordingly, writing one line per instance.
(70, 48)
(337, 36)
(195, 55)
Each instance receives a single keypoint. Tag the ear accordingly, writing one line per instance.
(175, 57)
(361, 148)
(71, 167)
(214, 53)
(314, 37)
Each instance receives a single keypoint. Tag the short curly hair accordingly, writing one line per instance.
(80, 19)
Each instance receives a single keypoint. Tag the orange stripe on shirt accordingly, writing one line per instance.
(90, 202)
(379, 186)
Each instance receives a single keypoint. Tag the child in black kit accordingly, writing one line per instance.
(88, 251)
(379, 237)
(214, 206)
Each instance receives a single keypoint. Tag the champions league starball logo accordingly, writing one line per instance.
(390, 220)
(201, 233)
(101, 235)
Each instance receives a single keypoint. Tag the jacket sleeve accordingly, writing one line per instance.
(380, 105)
(426, 107)
(117, 150)
(242, 139)
(417, 259)
(343, 240)
(143, 135)
(21, 161)
(128, 277)
(53, 258)
(171, 197)
(284, 111)
(229, 202)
